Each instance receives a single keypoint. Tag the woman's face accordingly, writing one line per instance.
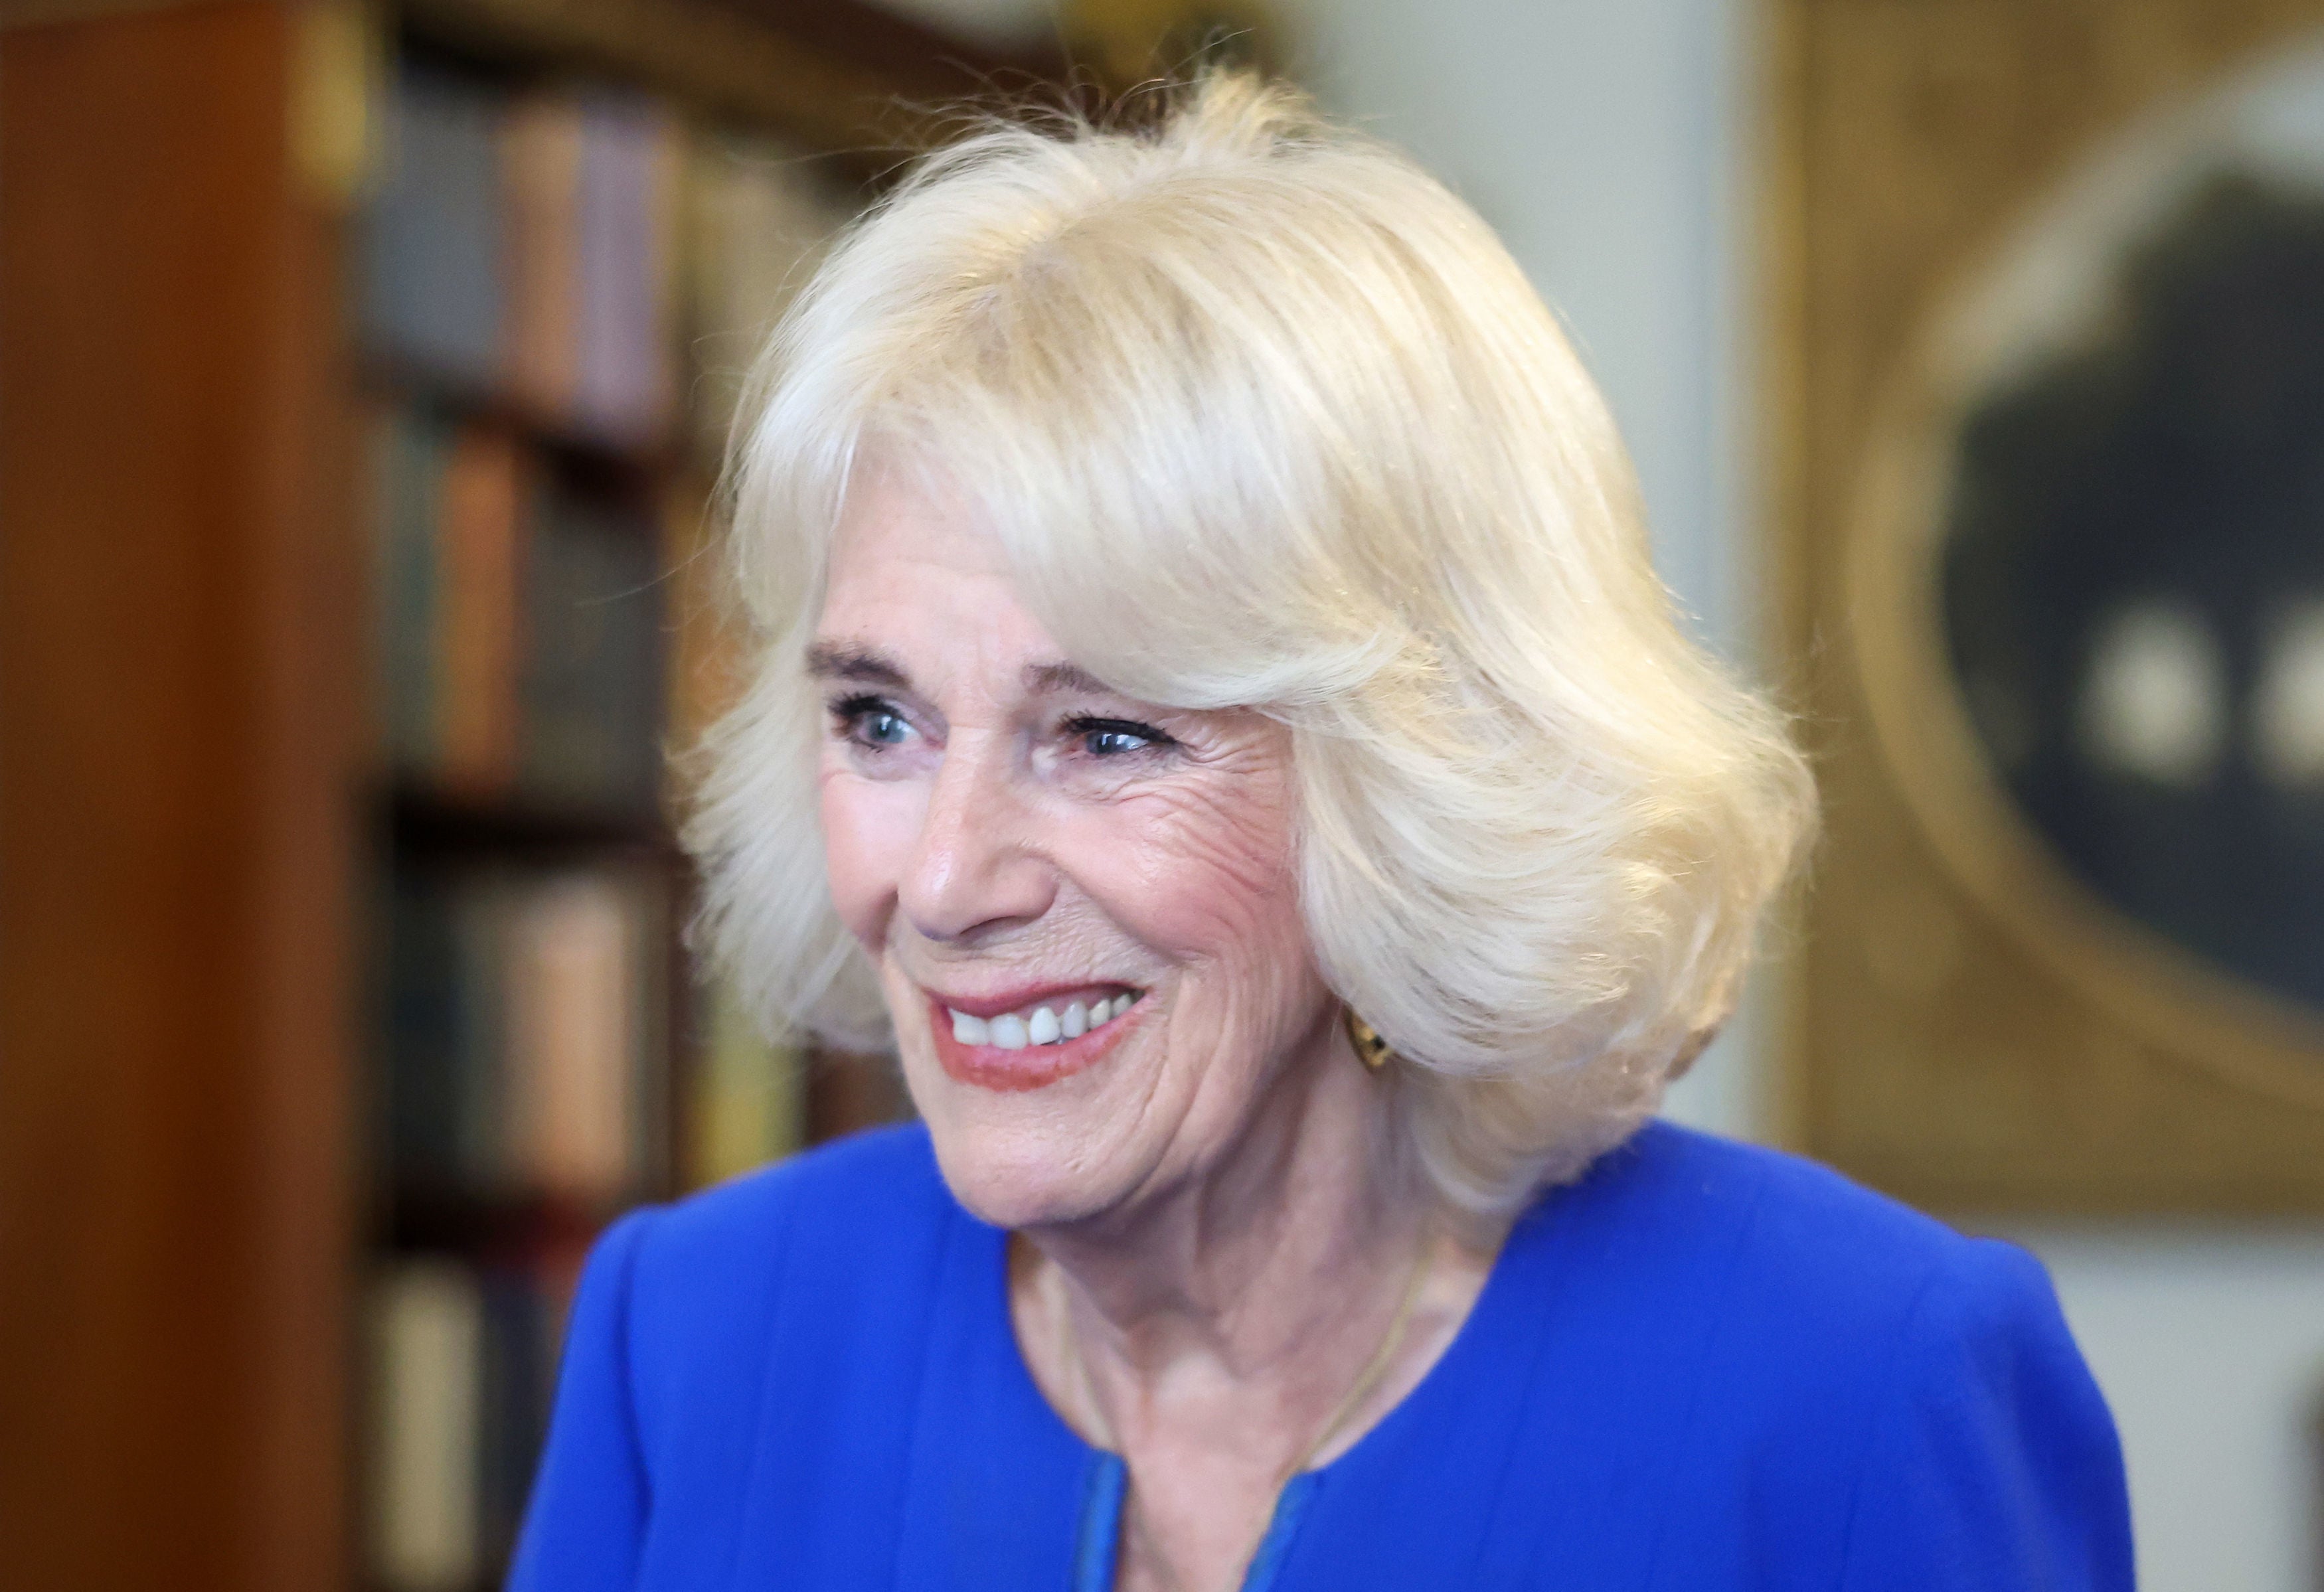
(1083, 905)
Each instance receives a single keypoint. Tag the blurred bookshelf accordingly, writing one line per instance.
(561, 271)
(366, 871)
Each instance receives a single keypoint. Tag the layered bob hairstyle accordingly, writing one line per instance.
(1265, 417)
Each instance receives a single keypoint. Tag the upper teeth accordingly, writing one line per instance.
(1043, 1025)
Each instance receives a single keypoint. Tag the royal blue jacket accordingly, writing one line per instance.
(1702, 1368)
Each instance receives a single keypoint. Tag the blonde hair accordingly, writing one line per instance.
(1265, 417)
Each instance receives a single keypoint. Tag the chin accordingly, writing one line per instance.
(1023, 1158)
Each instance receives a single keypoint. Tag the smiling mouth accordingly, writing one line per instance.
(1033, 1043)
(1051, 1023)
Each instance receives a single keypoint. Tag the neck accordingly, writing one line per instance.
(1256, 1315)
(1244, 1261)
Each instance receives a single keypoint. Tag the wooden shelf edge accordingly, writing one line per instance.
(425, 822)
(845, 79)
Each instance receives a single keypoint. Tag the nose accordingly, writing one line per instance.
(976, 869)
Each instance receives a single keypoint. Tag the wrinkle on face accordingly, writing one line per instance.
(986, 854)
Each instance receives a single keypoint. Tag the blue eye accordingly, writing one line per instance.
(869, 721)
(1116, 737)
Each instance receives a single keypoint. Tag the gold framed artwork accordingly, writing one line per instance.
(2048, 383)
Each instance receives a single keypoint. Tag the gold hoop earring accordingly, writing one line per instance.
(1371, 1048)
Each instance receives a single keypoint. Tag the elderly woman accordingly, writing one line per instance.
(1217, 721)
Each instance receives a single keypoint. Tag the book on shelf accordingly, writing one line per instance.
(590, 726)
(522, 622)
(523, 1319)
(523, 247)
(575, 1050)
(407, 468)
(526, 1055)
(750, 1105)
(432, 249)
(540, 153)
(555, 248)
(624, 253)
(427, 1332)
(484, 502)
(462, 1366)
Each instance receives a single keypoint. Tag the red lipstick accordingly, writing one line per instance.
(1031, 1066)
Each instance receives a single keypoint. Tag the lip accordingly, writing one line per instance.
(1034, 1066)
(1009, 1000)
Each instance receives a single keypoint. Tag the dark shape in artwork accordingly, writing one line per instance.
(2133, 586)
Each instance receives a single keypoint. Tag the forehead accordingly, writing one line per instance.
(896, 520)
(919, 579)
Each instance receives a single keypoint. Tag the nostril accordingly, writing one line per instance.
(971, 871)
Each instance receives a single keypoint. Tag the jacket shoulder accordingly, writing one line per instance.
(740, 1344)
(868, 1181)
(1763, 1221)
(1786, 1305)
(1781, 1356)
(792, 1261)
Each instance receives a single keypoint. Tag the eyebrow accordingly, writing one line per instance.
(1064, 678)
(828, 660)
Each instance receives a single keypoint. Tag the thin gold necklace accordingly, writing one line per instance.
(1359, 1390)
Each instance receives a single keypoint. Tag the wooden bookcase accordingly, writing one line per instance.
(195, 818)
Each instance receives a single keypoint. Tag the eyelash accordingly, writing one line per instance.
(1085, 726)
(849, 713)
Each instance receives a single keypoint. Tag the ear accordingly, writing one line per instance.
(1690, 1051)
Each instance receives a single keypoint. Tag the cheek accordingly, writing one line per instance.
(868, 829)
(1205, 879)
